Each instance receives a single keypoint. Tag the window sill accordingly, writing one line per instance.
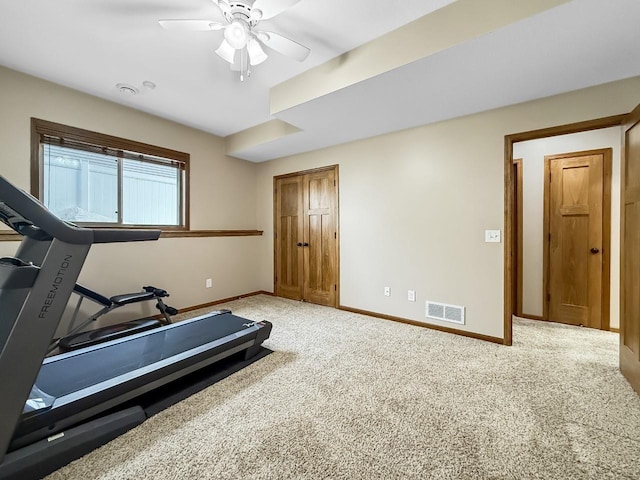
(7, 236)
(210, 233)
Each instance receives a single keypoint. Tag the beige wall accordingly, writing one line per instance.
(533, 153)
(414, 206)
(223, 195)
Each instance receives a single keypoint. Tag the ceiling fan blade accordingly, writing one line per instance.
(226, 51)
(271, 8)
(284, 45)
(190, 25)
(256, 54)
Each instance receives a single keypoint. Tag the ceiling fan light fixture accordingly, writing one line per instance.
(256, 53)
(236, 34)
(226, 51)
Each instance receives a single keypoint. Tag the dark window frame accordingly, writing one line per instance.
(41, 128)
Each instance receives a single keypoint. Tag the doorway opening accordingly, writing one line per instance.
(527, 239)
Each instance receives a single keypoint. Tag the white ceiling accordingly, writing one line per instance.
(91, 45)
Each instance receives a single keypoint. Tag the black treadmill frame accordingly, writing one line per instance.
(35, 287)
(80, 405)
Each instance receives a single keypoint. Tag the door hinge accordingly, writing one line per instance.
(334, 183)
(548, 297)
(549, 237)
(335, 287)
(335, 235)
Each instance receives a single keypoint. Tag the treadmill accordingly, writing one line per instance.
(56, 409)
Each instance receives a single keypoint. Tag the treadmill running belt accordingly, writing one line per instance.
(67, 374)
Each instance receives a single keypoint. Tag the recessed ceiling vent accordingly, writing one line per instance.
(447, 313)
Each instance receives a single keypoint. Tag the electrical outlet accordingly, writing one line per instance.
(208, 283)
(387, 291)
(411, 295)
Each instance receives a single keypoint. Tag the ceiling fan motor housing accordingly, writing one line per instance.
(239, 10)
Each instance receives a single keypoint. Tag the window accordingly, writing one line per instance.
(91, 178)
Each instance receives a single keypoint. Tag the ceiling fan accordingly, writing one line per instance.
(242, 43)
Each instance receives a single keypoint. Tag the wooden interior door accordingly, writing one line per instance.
(320, 237)
(630, 253)
(289, 234)
(306, 236)
(575, 243)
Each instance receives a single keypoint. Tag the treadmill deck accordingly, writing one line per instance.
(90, 380)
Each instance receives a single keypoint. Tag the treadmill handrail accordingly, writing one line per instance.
(33, 211)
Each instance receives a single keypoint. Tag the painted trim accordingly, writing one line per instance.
(430, 326)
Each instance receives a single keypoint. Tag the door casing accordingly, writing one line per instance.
(517, 238)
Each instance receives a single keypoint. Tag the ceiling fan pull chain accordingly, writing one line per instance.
(242, 66)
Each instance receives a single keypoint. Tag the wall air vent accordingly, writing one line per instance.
(448, 313)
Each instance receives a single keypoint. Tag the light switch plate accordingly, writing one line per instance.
(492, 236)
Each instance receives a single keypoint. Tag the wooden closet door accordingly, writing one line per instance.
(320, 237)
(289, 237)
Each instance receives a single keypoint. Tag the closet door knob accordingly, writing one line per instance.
(305, 244)
(595, 250)
(299, 244)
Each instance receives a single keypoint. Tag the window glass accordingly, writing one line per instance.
(80, 186)
(88, 177)
(150, 193)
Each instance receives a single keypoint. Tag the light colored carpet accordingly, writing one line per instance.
(346, 396)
